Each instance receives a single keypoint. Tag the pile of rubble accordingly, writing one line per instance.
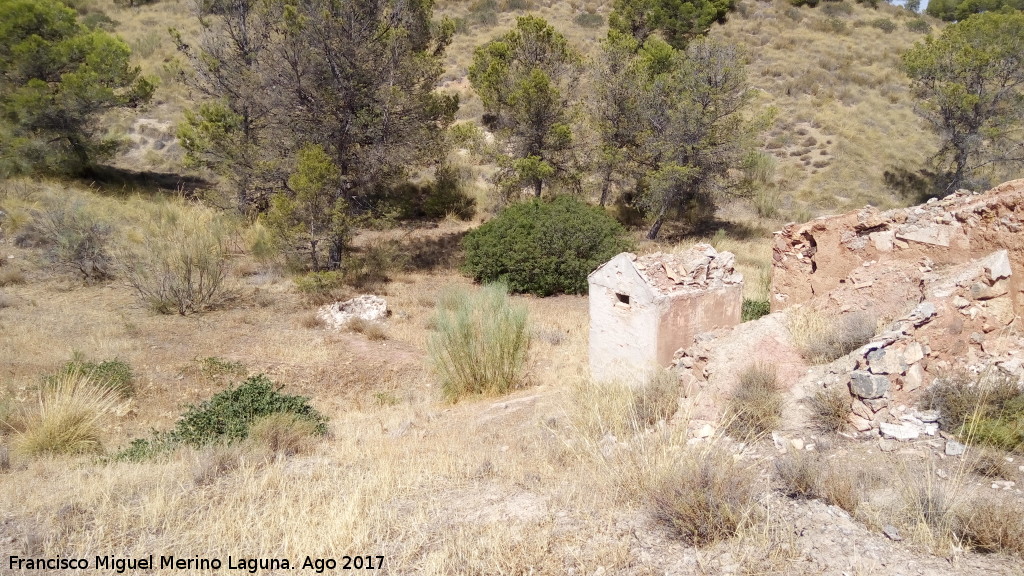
(366, 307)
(701, 267)
(938, 279)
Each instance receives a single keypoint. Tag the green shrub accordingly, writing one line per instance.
(919, 25)
(755, 407)
(544, 247)
(481, 343)
(884, 24)
(114, 374)
(754, 309)
(320, 284)
(227, 417)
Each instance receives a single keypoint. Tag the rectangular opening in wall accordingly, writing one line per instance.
(624, 298)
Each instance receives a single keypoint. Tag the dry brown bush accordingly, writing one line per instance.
(9, 276)
(755, 407)
(829, 409)
(707, 497)
(800, 474)
(989, 524)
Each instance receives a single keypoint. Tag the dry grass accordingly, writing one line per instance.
(283, 434)
(822, 338)
(992, 463)
(373, 330)
(755, 407)
(67, 418)
(622, 410)
(799, 473)
(805, 475)
(11, 276)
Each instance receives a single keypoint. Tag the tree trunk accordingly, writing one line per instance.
(336, 252)
(537, 184)
(652, 234)
(606, 188)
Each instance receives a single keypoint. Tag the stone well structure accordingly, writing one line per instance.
(645, 308)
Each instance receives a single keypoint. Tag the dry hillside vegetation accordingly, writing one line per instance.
(548, 473)
(562, 476)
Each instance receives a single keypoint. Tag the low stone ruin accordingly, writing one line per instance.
(938, 279)
(366, 307)
(644, 308)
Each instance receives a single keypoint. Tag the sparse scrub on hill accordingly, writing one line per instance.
(707, 497)
(677, 21)
(179, 264)
(67, 417)
(228, 417)
(822, 338)
(755, 407)
(480, 343)
(544, 247)
(986, 409)
(115, 374)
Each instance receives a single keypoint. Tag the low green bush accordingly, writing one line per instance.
(544, 247)
(114, 374)
(754, 309)
(884, 24)
(226, 418)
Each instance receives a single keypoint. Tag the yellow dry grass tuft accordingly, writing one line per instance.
(68, 417)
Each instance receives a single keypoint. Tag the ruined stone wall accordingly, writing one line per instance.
(686, 316)
(827, 253)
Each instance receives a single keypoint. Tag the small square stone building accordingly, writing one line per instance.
(645, 308)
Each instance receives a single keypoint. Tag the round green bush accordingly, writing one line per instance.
(544, 247)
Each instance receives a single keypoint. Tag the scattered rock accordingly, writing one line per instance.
(866, 385)
(891, 533)
(901, 432)
(954, 448)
